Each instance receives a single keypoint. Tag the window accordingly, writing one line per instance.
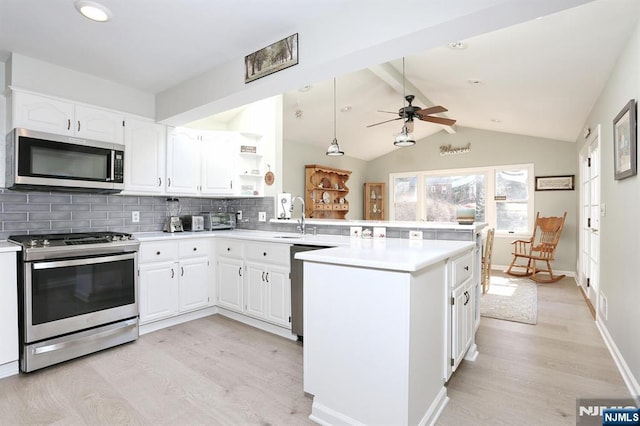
(502, 196)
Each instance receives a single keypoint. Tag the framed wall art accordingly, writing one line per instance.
(625, 142)
(555, 183)
(273, 58)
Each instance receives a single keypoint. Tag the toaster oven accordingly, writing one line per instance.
(219, 220)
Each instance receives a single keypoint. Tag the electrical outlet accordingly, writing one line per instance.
(135, 216)
(239, 214)
(415, 235)
(262, 216)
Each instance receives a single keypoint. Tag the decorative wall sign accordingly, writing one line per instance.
(449, 150)
(555, 183)
(625, 142)
(273, 58)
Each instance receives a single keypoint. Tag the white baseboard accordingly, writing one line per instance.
(8, 369)
(623, 367)
(178, 319)
(436, 408)
(265, 326)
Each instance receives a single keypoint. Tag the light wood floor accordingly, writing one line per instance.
(217, 371)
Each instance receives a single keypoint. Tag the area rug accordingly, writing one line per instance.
(512, 299)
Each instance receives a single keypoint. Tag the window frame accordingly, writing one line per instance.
(491, 216)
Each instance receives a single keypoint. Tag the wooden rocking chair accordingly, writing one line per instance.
(486, 261)
(539, 249)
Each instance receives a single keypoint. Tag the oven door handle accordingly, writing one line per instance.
(82, 262)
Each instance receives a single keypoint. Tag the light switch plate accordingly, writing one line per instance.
(239, 213)
(262, 216)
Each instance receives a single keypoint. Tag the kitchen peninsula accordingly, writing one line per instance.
(377, 329)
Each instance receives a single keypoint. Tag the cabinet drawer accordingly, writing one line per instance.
(193, 248)
(158, 251)
(229, 248)
(462, 268)
(270, 253)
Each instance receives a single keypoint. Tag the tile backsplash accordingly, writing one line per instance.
(56, 212)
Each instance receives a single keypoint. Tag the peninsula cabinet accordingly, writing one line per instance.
(8, 315)
(326, 192)
(375, 197)
(174, 277)
(49, 114)
(461, 318)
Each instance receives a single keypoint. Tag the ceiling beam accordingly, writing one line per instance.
(387, 73)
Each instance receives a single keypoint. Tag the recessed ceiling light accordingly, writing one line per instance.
(346, 108)
(93, 10)
(457, 45)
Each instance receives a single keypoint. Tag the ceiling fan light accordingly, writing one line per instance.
(334, 149)
(404, 138)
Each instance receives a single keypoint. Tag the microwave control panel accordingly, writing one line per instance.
(118, 167)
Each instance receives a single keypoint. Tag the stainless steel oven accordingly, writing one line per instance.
(78, 294)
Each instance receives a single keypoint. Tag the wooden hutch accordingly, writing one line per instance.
(326, 192)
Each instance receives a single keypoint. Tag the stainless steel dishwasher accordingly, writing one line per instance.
(297, 278)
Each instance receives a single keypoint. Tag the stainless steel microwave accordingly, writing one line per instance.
(49, 162)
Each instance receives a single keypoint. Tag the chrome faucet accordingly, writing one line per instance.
(301, 224)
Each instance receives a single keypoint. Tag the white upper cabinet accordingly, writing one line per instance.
(43, 113)
(183, 162)
(218, 161)
(145, 156)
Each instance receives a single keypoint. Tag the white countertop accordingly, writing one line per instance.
(6, 246)
(476, 226)
(264, 236)
(390, 253)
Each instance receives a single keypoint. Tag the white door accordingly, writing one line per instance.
(98, 124)
(589, 263)
(219, 155)
(144, 161)
(183, 162)
(35, 112)
(255, 290)
(278, 296)
(158, 291)
(230, 278)
(194, 283)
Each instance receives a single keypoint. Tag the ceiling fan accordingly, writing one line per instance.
(408, 113)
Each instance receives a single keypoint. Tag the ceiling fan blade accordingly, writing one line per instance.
(439, 120)
(432, 110)
(389, 112)
(382, 122)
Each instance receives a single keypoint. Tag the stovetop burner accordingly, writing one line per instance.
(56, 240)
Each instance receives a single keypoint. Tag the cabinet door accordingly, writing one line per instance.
(36, 112)
(8, 309)
(194, 283)
(219, 154)
(458, 324)
(278, 296)
(254, 294)
(144, 161)
(158, 291)
(99, 124)
(230, 276)
(183, 162)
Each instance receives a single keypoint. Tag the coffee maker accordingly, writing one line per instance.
(172, 222)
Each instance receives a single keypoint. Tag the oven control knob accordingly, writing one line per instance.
(33, 242)
(115, 238)
(45, 242)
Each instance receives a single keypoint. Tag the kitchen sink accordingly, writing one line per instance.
(288, 236)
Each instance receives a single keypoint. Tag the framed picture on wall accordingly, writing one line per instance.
(625, 142)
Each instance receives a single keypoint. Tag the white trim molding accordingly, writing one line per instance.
(629, 379)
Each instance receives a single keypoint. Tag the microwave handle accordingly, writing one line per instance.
(112, 172)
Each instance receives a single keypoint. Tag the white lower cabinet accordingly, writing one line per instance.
(175, 277)
(8, 315)
(461, 318)
(253, 279)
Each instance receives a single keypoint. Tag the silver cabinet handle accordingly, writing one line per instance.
(68, 124)
(78, 125)
(173, 274)
(159, 181)
(240, 271)
(267, 280)
(169, 181)
(182, 271)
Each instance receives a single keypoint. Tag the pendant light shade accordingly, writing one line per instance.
(334, 149)
(404, 138)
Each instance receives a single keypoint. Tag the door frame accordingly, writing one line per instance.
(591, 293)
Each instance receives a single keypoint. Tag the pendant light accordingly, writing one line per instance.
(334, 148)
(404, 138)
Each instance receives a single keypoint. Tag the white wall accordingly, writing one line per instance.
(620, 228)
(43, 77)
(297, 155)
(550, 157)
